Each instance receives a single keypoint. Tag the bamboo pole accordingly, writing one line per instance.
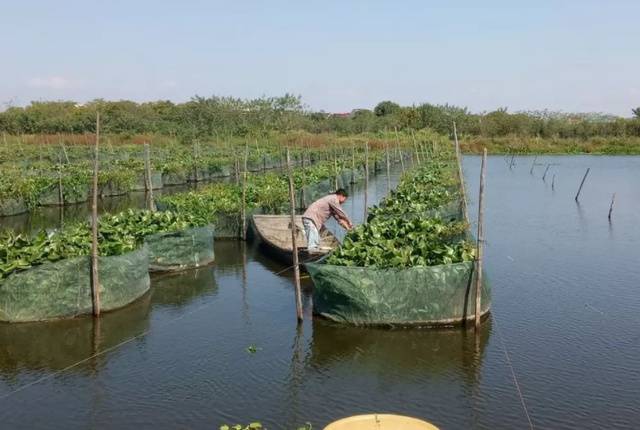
(60, 189)
(303, 203)
(95, 282)
(366, 180)
(294, 245)
(148, 184)
(388, 162)
(236, 169)
(480, 245)
(584, 178)
(353, 164)
(533, 165)
(415, 145)
(399, 150)
(545, 173)
(244, 193)
(613, 200)
(335, 169)
(463, 192)
(64, 150)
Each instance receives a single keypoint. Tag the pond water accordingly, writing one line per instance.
(220, 344)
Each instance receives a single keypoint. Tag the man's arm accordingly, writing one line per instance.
(340, 216)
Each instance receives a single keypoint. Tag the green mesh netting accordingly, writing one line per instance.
(180, 250)
(50, 196)
(140, 184)
(351, 176)
(63, 289)
(310, 193)
(436, 295)
(10, 207)
(111, 189)
(229, 226)
(220, 172)
(174, 178)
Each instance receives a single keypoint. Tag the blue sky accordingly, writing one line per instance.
(578, 56)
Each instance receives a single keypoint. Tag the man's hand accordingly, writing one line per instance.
(346, 225)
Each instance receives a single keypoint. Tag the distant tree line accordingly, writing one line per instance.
(224, 116)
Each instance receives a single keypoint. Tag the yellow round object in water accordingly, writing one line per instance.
(380, 422)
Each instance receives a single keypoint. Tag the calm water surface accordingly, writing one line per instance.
(565, 304)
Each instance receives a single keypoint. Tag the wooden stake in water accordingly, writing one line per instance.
(401, 156)
(294, 245)
(353, 164)
(148, 183)
(64, 150)
(584, 178)
(366, 180)
(303, 203)
(513, 157)
(480, 245)
(533, 164)
(415, 145)
(335, 169)
(545, 173)
(463, 192)
(95, 284)
(60, 189)
(388, 161)
(196, 156)
(244, 194)
(553, 182)
(613, 200)
(237, 169)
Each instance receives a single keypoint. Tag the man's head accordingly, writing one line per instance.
(342, 195)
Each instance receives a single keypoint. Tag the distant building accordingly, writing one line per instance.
(341, 115)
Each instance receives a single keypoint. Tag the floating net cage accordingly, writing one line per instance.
(439, 295)
(63, 289)
(180, 250)
(430, 295)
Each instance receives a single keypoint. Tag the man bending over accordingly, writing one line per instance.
(319, 212)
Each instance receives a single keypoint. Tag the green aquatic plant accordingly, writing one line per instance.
(117, 234)
(400, 243)
(406, 230)
(251, 426)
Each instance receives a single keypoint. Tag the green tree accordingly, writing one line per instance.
(386, 108)
(636, 112)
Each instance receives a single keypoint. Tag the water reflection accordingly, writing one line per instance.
(398, 354)
(177, 290)
(42, 347)
(51, 346)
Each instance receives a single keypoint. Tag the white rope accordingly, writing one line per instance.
(513, 374)
(58, 372)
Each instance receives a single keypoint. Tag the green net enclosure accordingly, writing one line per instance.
(140, 184)
(174, 178)
(12, 206)
(310, 193)
(63, 289)
(219, 172)
(180, 250)
(434, 295)
(228, 226)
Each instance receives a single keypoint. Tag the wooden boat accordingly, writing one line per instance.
(275, 233)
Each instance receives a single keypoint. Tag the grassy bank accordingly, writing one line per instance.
(531, 145)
